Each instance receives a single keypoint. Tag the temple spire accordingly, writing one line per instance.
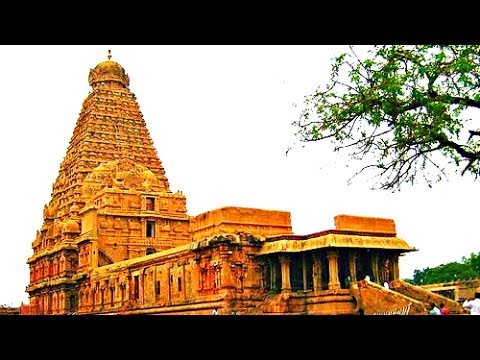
(109, 54)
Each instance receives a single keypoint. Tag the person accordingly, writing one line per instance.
(434, 310)
(386, 270)
(473, 305)
(385, 285)
(215, 311)
(444, 310)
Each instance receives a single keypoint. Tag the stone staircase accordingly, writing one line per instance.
(426, 296)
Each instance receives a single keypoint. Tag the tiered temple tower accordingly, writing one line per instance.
(111, 188)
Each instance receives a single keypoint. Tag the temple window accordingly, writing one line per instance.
(179, 284)
(102, 296)
(157, 288)
(150, 203)
(72, 303)
(150, 230)
(136, 287)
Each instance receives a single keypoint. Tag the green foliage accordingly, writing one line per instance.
(401, 108)
(468, 268)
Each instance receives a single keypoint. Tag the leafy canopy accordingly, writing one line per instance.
(403, 109)
(468, 268)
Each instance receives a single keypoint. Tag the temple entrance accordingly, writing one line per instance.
(272, 278)
(266, 276)
(343, 270)
(276, 276)
(301, 272)
(325, 272)
(72, 303)
(363, 264)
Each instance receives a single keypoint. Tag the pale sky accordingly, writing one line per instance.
(220, 118)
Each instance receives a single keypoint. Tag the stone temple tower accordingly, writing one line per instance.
(111, 199)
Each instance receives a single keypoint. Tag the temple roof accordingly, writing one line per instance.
(108, 71)
(333, 239)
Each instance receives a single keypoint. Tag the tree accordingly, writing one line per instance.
(467, 269)
(474, 263)
(406, 110)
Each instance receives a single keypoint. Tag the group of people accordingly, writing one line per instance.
(439, 310)
(473, 305)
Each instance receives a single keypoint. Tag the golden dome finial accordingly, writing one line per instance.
(108, 70)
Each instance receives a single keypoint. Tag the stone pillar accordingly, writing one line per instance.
(395, 268)
(102, 296)
(317, 273)
(41, 304)
(352, 265)
(130, 287)
(141, 285)
(304, 272)
(93, 292)
(334, 282)
(285, 265)
(62, 304)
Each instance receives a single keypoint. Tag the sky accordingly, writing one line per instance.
(221, 120)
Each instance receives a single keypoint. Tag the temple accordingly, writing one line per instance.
(116, 240)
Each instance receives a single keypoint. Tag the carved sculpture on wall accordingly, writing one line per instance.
(239, 275)
(57, 226)
(203, 278)
(47, 212)
(216, 268)
(385, 272)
